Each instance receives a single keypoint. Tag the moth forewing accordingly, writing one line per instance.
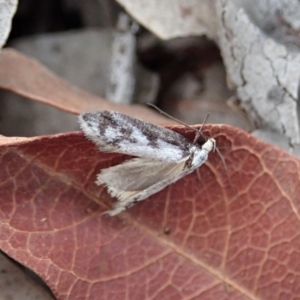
(163, 156)
(89, 126)
(115, 132)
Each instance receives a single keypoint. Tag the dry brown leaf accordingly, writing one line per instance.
(28, 78)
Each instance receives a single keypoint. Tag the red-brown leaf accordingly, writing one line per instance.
(232, 236)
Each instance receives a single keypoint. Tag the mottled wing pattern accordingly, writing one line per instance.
(115, 132)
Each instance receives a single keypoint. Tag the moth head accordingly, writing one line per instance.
(209, 145)
(211, 142)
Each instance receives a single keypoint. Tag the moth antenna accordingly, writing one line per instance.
(198, 131)
(222, 158)
(224, 164)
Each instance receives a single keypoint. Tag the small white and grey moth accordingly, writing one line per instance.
(163, 156)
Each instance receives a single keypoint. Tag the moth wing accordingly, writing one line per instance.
(137, 179)
(115, 132)
(89, 127)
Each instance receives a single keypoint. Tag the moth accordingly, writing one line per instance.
(162, 155)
